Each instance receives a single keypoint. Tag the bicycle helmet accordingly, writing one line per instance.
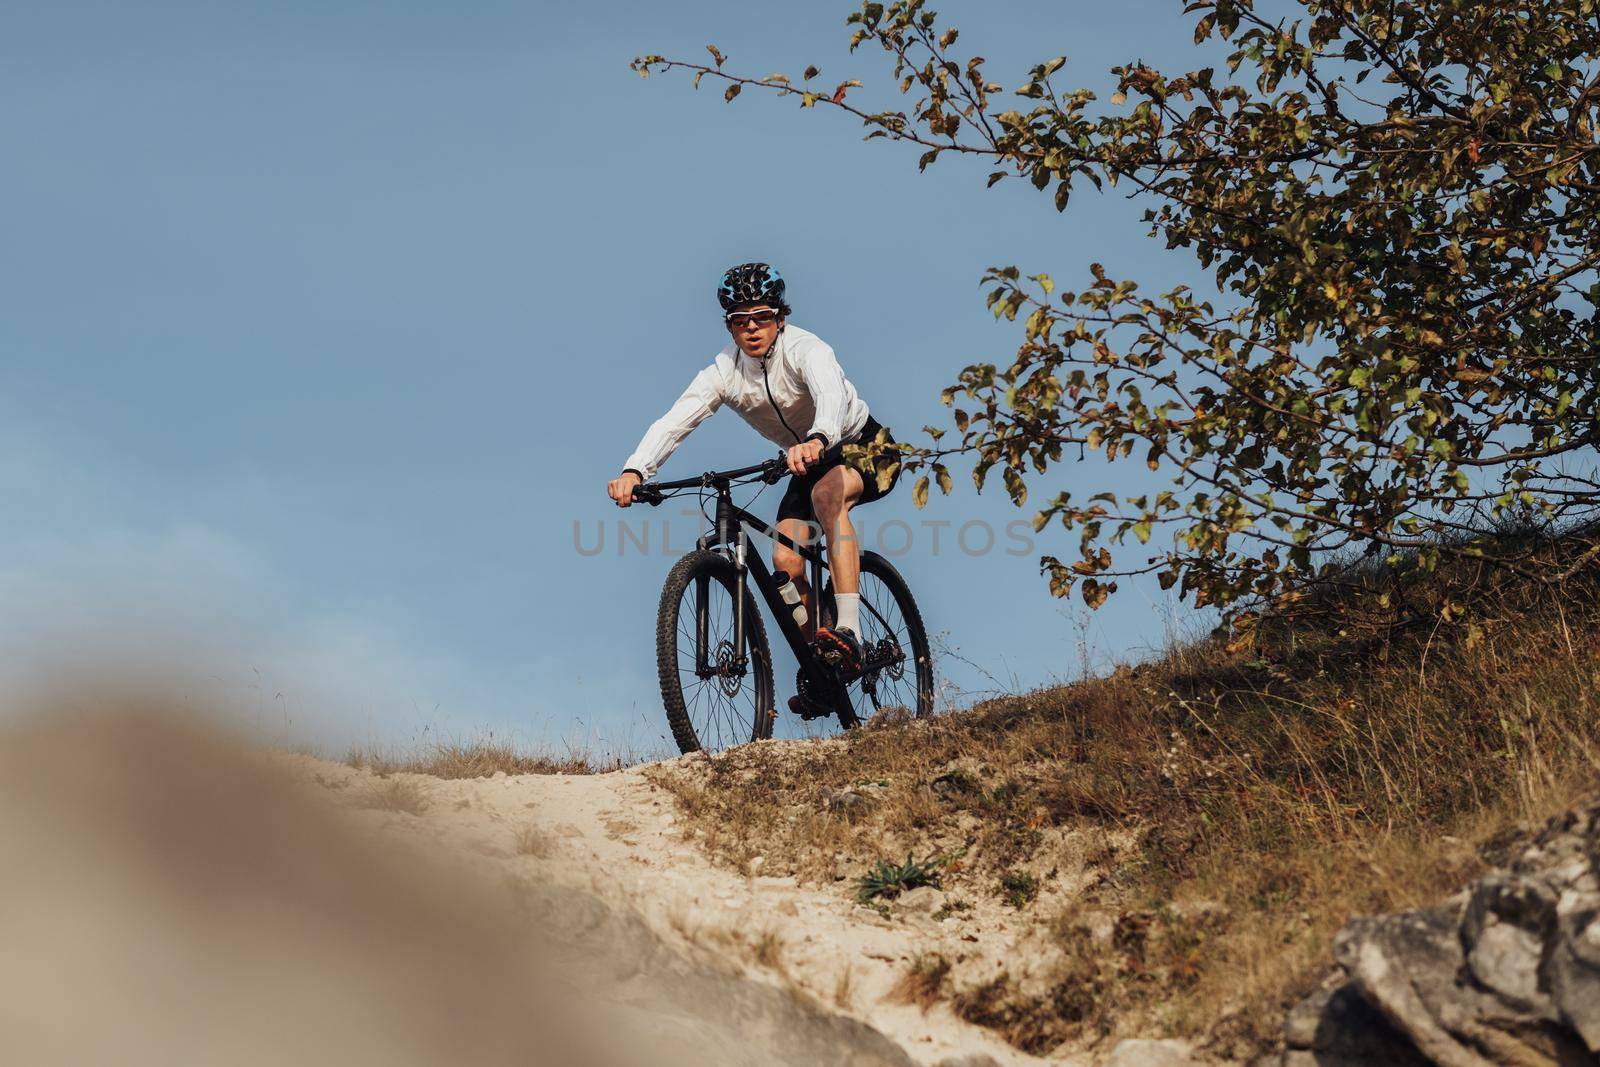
(752, 283)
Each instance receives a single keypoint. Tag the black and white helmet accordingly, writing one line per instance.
(752, 283)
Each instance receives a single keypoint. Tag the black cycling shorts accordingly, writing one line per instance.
(796, 502)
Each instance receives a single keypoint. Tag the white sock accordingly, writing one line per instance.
(849, 616)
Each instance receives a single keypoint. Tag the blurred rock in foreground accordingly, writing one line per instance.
(1506, 972)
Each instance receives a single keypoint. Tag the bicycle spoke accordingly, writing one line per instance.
(882, 620)
(718, 717)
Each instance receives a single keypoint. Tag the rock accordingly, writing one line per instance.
(1573, 970)
(921, 899)
(952, 784)
(969, 1059)
(1337, 1028)
(1508, 919)
(848, 801)
(1405, 966)
(1505, 973)
(1140, 1052)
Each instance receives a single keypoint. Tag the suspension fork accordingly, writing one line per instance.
(702, 625)
(728, 530)
(742, 571)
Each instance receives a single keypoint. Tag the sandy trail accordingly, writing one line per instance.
(614, 836)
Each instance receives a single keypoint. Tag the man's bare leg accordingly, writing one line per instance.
(832, 497)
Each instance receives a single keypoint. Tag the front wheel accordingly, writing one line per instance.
(715, 698)
(898, 666)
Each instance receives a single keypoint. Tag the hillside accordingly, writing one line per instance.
(1170, 851)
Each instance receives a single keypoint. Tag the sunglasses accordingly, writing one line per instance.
(750, 318)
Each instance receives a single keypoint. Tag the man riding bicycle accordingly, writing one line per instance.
(787, 384)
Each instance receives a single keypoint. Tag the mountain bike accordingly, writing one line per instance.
(712, 655)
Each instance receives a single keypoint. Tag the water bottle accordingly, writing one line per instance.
(791, 597)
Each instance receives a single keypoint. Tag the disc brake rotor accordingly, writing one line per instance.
(730, 672)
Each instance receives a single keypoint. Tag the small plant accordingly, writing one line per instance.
(889, 880)
(951, 907)
(767, 950)
(1018, 888)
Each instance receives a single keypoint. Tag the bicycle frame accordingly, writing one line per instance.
(730, 528)
(730, 531)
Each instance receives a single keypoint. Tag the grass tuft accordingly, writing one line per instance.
(475, 760)
(923, 983)
(1018, 888)
(395, 794)
(887, 880)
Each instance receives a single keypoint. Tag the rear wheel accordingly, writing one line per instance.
(894, 645)
(714, 698)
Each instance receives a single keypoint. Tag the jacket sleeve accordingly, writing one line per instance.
(825, 379)
(697, 403)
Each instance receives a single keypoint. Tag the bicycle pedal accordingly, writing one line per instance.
(835, 654)
(807, 711)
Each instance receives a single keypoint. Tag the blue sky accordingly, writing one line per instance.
(325, 323)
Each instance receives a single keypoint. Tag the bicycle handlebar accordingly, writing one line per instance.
(771, 471)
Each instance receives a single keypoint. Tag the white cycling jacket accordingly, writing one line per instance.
(808, 392)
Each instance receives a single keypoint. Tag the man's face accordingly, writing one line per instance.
(754, 327)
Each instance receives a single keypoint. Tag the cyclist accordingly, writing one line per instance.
(787, 384)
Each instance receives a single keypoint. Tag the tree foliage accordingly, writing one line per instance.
(1399, 206)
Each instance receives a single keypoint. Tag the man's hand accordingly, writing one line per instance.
(621, 488)
(803, 455)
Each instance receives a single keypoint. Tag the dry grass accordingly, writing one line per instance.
(481, 759)
(767, 950)
(844, 988)
(1230, 805)
(395, 794)
(923, 982)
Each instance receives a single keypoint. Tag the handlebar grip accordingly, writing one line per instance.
(644, 493)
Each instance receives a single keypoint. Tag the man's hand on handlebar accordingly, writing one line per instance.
(621, 488)
(803, 455)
